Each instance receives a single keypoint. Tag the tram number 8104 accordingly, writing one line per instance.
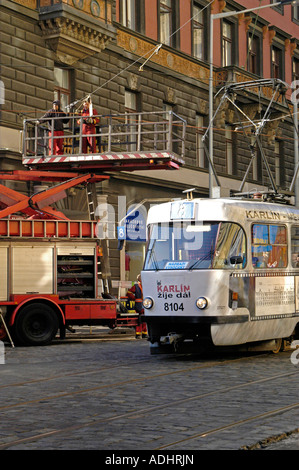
(173, 307)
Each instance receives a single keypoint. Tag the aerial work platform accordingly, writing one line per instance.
(124, 142)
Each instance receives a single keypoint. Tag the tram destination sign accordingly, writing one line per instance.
(182, 210)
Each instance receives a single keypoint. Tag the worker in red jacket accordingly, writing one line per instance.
(135, 293)
(90, 120)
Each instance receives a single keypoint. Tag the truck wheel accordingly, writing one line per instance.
(36, 325)
(3, 333)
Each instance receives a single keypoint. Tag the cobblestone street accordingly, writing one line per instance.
(112, 395)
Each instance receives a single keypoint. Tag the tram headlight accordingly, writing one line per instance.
(201, 303)
(148, 302)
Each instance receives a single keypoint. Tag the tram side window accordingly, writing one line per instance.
(230, 247)
(295, 246)
(269, 246)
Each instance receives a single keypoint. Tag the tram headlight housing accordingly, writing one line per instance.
(201, 303)
(148, 302)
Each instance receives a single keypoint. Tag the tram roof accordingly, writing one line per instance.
(223, 209)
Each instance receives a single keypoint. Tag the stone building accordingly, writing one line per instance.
(68, 49)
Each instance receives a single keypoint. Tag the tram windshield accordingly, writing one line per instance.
(200, 245)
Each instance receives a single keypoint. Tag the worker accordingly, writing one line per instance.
(90, 121)
(135, 293)
(52, 116)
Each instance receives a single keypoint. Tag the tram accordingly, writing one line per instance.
(221, 273)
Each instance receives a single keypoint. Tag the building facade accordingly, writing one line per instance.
(108, 49)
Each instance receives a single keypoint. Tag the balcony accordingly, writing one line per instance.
(75, 29)
(233, 75)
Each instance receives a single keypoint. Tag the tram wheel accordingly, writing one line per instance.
(36, 325)
(278, 345)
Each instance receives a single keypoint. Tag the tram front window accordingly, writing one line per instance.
(200, 245)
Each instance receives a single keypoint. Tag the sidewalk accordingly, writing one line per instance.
(98, 332)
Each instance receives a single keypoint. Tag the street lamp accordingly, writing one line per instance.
(212, 18)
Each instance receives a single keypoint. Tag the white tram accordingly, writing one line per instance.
(221, 272)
